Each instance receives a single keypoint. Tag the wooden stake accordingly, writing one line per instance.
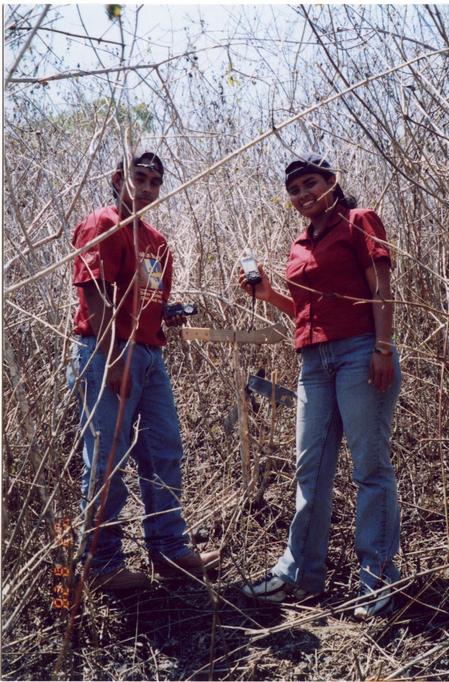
(242, 407)
(271, 334)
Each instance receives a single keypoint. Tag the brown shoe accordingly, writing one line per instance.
(121, 579)
(195, 563)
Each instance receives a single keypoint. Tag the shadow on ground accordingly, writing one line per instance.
(176, 632)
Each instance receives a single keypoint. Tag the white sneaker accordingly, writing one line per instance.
(372, 605)
(273, 589)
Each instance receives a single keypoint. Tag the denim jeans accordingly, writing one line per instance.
(150, 433)
(334, 396)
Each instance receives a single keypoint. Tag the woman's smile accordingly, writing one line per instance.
(311, 193)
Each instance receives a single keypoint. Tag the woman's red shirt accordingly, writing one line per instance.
(326, 277)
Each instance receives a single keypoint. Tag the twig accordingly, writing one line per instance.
(25, 47)
(418, 659)
(211, 169)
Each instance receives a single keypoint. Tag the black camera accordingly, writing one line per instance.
(171, 310)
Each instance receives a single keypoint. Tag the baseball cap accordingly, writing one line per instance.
(310, 162)
(147, 160)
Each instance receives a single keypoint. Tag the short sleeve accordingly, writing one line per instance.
(368, 238)
(102, 261)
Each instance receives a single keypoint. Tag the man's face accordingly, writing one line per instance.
(140, 189)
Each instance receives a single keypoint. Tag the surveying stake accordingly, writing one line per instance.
(272, 334)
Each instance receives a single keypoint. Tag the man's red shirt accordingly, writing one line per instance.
(334, 265)
(114, 260)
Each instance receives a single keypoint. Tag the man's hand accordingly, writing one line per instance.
(115, 378)
(381, 371)
(97, 294)
(175, 320)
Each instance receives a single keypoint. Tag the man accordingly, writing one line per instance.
(127, 402)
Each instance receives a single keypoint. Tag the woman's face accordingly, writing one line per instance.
(311, 194)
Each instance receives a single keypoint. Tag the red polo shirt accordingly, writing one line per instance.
(334, 264)
(115, 260)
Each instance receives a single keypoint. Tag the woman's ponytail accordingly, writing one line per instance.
(348, 201)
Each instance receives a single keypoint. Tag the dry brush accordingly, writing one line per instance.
(368, 87)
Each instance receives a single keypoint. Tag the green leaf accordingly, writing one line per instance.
(113, 11)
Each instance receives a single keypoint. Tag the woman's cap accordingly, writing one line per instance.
(309, 162)
(147, 160)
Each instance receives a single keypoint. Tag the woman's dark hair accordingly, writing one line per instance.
(348, 200)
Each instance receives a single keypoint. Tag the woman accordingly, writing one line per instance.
(338, 274)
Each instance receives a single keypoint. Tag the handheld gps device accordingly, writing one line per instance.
(250, 269)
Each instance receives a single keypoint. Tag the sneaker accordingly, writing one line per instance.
(381, 603)
(195, 563)
(121, 579)
(273, 589)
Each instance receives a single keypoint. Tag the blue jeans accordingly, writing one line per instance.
(150, 433)
(334, 397)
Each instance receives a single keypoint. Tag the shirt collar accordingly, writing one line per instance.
(306, 235)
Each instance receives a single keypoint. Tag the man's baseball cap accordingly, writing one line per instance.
(310, 162)
(147, 160)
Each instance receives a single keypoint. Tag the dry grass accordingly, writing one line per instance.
(389, 135)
